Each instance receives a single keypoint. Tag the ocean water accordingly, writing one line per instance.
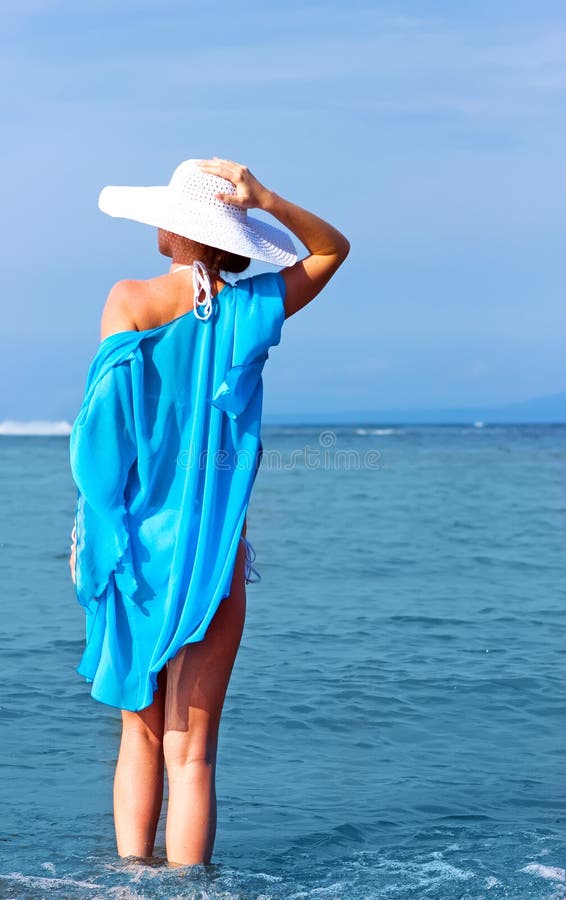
(395, 722)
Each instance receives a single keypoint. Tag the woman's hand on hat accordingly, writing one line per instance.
(250, 192)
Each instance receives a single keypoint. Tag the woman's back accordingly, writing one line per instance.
(164, 452)
(150, 303)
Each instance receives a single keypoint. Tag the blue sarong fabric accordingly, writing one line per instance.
(164, 453)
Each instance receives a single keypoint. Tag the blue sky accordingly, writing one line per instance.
(432, 134)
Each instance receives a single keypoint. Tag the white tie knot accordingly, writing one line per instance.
(202, 308)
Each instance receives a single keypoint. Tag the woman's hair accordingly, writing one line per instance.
(214, 259)
(217, 260)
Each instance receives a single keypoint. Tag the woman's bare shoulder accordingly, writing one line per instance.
(124, 306)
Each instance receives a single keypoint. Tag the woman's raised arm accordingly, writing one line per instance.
(328, 247)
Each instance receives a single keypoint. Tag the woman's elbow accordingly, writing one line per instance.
(344, 248)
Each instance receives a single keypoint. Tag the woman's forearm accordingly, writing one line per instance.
(318, 236)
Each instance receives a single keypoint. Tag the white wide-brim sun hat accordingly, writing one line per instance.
(188, 206)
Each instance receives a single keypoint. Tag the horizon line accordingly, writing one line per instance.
(62, 428)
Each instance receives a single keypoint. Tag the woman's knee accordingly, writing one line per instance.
(149, 729)
(197, 744)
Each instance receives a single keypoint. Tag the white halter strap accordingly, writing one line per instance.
(201, 282)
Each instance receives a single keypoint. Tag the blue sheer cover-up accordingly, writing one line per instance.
(164, 453)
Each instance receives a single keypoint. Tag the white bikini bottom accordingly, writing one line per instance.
(250, 571)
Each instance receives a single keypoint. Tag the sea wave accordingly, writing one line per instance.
(35, 427)
(375, 430)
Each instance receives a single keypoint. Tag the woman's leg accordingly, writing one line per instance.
(197, 680)
(138, 782)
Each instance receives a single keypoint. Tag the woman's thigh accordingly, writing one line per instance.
(198, 675)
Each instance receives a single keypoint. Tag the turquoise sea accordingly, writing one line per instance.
(395, 723)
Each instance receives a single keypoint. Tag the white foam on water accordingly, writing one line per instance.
(35, 427)
(440, 870)
(49, 866)
(264, 876)
(136, 871)
(375, 430)
(334, 891)
(121, 892)
(41, 882)
(422, 874)
(554, 873)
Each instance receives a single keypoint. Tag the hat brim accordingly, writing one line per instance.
(155, 206)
